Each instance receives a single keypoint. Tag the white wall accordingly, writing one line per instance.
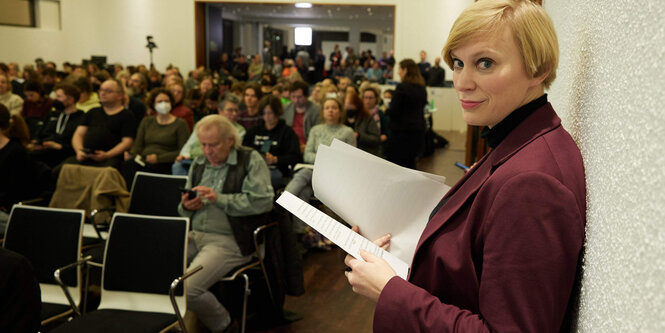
(115, 28)
(609, 92)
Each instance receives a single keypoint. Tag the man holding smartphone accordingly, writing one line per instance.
(233, 197)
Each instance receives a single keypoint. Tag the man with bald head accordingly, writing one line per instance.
(106, 132)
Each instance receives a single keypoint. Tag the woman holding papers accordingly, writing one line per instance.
(501, 249)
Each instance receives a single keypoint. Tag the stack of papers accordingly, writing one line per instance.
(378, 196)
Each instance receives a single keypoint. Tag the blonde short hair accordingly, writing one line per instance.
(226, 129)
(532, 28)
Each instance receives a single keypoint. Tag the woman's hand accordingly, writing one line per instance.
(206, 192)
(368, 278)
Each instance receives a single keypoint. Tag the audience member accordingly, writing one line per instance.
(20, 304)
(158, 140)
(35, 106)
(228, 108)
(89, 99)
(106, 132)
(370, 96)
(255, 69)
(375, 73)
(437, 75)
(16, 170)
(13, 102)
(179, 109)
(233, 196)
(423, 66)
(277, 142)
(407, 123)
(137, 86)
(249, 116)
(368, 135)
(301, 114)
(53, 142)
(332, 128)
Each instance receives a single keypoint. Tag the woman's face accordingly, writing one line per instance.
(401, 71)
(251, 100)
(205, 85)
(369, 99)
(331, 112)
(491, 80)
(177, 92)
(269, 117)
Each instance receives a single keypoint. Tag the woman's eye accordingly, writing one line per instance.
(457, 64)
(485, 63)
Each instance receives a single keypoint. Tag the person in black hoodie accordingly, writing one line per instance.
(276, 141)
(407, 121)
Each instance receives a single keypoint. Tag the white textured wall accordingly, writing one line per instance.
(610, 91)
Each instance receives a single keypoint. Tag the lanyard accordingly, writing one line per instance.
(60, 125)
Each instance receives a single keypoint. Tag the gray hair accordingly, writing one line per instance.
(226, 129)
(230, 98)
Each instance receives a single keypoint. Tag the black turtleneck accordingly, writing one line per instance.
(493, 136)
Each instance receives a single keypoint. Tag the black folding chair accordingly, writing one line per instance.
(49, 238)
(156, 194)
(144, 263)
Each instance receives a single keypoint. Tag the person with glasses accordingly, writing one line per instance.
(106, 132)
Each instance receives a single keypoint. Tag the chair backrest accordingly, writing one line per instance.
(156, 194)
(49, 238)
(143, 255)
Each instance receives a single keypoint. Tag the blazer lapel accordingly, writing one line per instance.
(540, 122)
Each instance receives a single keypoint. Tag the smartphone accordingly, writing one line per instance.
(190, 193)
(461, 166)
(86, 150)
(265, 147)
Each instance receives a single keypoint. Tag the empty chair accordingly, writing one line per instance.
(143, 256)
(49, 238)
(156, 194)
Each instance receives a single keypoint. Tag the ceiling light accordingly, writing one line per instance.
(303, 5)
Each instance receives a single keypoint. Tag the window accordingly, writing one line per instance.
(18, 13)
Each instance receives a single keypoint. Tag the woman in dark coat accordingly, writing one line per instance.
(407, 121)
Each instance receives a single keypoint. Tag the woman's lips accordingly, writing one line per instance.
(469, 104)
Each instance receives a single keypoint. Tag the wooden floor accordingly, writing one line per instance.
(329, 304)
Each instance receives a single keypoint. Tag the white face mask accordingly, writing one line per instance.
(163, 107)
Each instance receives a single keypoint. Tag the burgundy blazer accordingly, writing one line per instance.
(501, 254)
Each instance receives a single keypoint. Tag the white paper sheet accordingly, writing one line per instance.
(344, 237)
(378, 196)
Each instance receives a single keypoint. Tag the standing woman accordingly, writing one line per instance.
(501, 249)
(407, 120)
(158, 140)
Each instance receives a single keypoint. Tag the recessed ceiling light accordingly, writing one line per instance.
(303, 5)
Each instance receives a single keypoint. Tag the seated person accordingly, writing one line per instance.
(365, 128)
(20, 304)
(249, 116)
(12, 101)
(158, 140)
(301, 114)
(88, 99)
(35, 106)
(233, 195)
(53, 141)
(276, 141)
(15, 166)
(180, 110)
(105, 133)
(192, 149)
(332, 128)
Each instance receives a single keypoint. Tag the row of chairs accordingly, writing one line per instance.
(144, 259)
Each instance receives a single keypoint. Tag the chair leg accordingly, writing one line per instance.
(244, 303)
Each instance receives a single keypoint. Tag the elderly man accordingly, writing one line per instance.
(106, 132)
(301, 114)
(228, 108)
(233, 196)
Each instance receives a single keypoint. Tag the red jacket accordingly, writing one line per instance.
(501, 254)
